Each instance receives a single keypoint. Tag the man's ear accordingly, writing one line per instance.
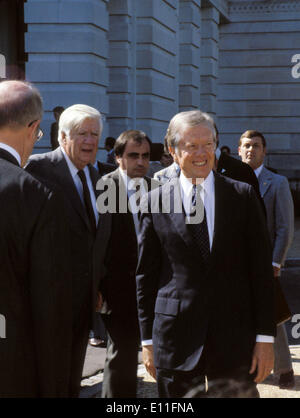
(118, 160)
(63, 137)
(33, 127)
(173, 153)
(239, 151)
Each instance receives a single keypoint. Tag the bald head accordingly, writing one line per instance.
(20, 104)
(21, 112)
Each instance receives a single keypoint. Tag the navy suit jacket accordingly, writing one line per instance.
(181, 306)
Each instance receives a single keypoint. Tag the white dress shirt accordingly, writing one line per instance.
(257, 171)
(131, 183)
(132, 194)
(12, 151)
(207, 195)
(74, 173)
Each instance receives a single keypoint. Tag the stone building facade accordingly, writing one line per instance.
(141, 61)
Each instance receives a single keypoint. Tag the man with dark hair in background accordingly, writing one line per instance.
(118, 288)
(109, 146)
(277, 197)
(57, 111)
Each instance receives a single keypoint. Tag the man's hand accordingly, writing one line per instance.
(99, 302)
(148, 360)
(262, 360)
(276, 271)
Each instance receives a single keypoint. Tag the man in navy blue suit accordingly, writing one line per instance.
(204, 290)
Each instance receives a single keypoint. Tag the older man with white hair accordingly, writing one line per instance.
(68, 170)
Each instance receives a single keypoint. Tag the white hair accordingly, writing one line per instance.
(73, 116)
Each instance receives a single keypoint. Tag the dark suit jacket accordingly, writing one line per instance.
(238, 170)
(35, 287)
(54, 136)
(105, 168)
(118, 287)
(87, 252)
(183, 307)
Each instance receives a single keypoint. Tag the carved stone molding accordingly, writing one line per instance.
(263, 6)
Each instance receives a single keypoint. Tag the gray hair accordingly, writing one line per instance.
(183, 120)
(20, 104)
(73, 117)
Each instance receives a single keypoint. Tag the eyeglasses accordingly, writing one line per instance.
(39, 135)
(40, 132)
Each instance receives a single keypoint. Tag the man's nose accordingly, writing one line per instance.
(141, 161)
(90, 138)
(200, 149)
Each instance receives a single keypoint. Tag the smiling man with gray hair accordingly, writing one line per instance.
(67, 169)
(205, 290)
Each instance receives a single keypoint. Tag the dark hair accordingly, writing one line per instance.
(225, 148)
(217, 134)
(251, 134)
(110, 142)
(157, 150)
(135, 135)
(58, 109)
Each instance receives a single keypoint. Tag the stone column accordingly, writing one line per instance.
(121, 65)
(209, 60)
(67, 51)
(190, 54)
(156, 65)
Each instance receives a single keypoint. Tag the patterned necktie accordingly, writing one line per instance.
(199, 230)
(87, 201)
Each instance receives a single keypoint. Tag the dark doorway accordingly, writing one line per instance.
(12, 30)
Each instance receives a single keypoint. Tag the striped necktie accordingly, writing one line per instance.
(199, 230)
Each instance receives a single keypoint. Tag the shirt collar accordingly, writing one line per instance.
(218, 153)
(130, 184)
(187, 185)
(126, 179)
(73, 169)
(258, 170)
(12, 151)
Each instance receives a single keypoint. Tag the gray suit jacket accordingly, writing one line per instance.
(277, 197)
(166, 174)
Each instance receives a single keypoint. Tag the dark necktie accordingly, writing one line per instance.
(199, 231)
(87, 200)
(135, 209)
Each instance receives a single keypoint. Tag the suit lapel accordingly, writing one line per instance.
(171, 195)
(64, 177)
(221, 207)
(5, 155)
(264, 180)
(221, 216)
